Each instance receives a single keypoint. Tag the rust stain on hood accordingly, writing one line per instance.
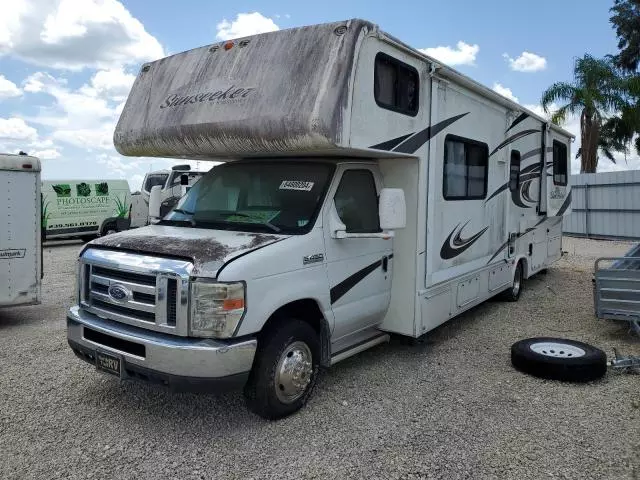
(207, 249)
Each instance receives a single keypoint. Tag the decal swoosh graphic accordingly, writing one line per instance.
(389, 144)
(502, 247)
(521, 118)
(533, 153)
(454, 245)
(412, 144)
(339, 290)
(513, 138)
(565, 205)
(498, 191)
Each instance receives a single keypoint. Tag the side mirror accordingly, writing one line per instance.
(184, 179)
(155, 202)
(392, 209)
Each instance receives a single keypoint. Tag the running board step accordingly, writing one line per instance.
(360, 347)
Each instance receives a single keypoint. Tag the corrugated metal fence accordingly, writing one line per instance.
(605, 205)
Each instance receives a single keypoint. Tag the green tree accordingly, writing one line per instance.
(626, 22)
(596, 93)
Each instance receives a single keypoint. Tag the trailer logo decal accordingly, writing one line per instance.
(232, 95)
(454, 245)
(9, 253)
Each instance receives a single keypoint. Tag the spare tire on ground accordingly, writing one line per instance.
(559, 359)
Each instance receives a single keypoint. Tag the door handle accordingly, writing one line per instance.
(385, 263)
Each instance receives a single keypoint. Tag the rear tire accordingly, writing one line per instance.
(513, 293)
(285, 370)
(559, 359)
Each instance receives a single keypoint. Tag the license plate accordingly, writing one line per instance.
(109, 363)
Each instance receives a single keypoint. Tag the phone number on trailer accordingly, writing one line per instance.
(71, 225)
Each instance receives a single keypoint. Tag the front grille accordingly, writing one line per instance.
(144, 301)
(114, 342)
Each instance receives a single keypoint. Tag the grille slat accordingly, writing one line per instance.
(149, 280)
(121, 310)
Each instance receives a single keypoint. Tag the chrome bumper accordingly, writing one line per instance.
(160, 357)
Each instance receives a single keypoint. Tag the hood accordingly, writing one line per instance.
(207, 249)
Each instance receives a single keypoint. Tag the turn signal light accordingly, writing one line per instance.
(233, 303)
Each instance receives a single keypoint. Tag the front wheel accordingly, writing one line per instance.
(513, 293)
(285, 370)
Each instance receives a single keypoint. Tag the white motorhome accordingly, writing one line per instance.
(370, 190)
(20, 231)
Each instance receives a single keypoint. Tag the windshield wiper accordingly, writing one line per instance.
(184, 212)
(266, 224)
(191, 222)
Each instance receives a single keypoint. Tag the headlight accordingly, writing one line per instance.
(216, 308)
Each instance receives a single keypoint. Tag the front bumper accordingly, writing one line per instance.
(181, 363)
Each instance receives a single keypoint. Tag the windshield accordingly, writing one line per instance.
(154, 179)
(260, 196)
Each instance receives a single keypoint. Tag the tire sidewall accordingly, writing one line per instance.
(263, 399)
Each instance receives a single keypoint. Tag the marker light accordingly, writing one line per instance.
(228, 45)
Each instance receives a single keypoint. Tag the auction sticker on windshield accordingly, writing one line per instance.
(296, 185)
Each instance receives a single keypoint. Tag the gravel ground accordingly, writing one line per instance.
(452, 407)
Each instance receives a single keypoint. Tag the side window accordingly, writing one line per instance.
(514, 171)
(466, 167)
(357, 202)
(560, 166)
(396, 85)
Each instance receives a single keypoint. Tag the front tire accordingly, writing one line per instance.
(513, 293)
(285, 370)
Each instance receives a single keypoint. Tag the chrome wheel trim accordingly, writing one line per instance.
(293, 372)
(517, 281)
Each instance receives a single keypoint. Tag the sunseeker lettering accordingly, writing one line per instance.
(220, 96)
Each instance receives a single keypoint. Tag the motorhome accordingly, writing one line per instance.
(368, 190)
(85, 208)
(20, 231)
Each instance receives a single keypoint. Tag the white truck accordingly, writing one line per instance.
(173, 184)
(369, 191)
(20, 231)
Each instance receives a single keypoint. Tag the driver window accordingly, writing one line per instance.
(356, 201)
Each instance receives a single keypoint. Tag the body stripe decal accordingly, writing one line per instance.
(348, 283)
(513, 138)
(521, 118)
(389, 144)
(565, 205)
(412, 144)
(502, 247)
(498, 191)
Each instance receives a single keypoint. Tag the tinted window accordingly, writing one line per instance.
(357, 202)
(560, 167)
(514, 171)
(396, 85)
(465, 169)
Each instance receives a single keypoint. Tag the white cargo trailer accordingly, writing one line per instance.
(20, 231)
(369, 191)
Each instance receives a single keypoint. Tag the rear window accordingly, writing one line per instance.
(396, 85)
(560, 164)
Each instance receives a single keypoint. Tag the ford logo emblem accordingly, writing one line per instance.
(119, 293)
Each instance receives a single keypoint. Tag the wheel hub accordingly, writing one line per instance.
(559, 350)
(293, 372)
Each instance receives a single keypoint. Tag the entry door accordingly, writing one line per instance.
(359, 269)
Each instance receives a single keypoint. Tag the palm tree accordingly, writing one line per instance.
(597, 91)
